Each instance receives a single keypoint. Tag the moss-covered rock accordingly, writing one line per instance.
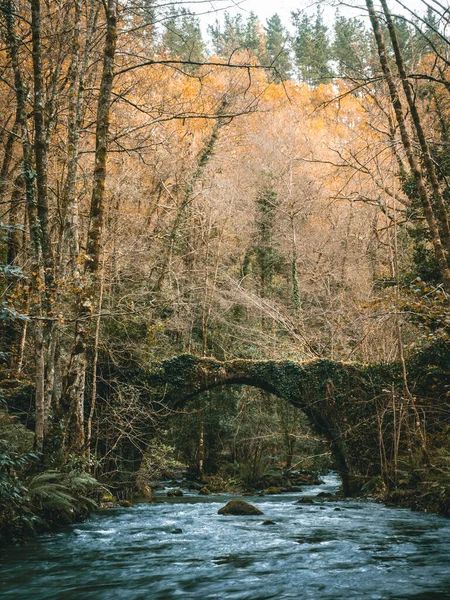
(204, 491)
(272, 490)
(174, 493)
(107, 497)
(125, 504)
(239, 508)
(305, 500)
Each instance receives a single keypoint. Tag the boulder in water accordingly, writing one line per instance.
(174, 493)
(204, 491)
(176, 531)
(325, 495)
(125, 504)
(272, 490)
(305, 500)
(238, 508)
(193, 485)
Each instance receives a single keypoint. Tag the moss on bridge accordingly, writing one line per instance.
(343, 401)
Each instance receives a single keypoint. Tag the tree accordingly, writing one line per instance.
(232, 38)
(311, 47)
(76, 376)
(266, 255)
(277, 50)
(350, 48)
(183, 37)
(252, 37)
(437, 223)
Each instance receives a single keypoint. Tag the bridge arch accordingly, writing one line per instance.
(337, 398)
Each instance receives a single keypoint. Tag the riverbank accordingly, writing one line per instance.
(423, 498)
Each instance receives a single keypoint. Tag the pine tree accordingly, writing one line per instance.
(183, 37)
(231, 38)
(431, 40)
(277, 50)
(252, 37)
(148, 12)
(311, 47)
(266, 255)
(351, 46)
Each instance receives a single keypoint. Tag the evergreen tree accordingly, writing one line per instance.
(350, 48)
(183, 37)
(277, 50)
(408, 41)
(311, 47)
(252, 34)
(231, 38)
(147, 9)
(431, 40)
(266, 256)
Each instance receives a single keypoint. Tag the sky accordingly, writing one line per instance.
(266, 8)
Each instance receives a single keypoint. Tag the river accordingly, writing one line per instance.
(184, 549)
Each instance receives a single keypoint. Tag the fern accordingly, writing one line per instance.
(63, 497)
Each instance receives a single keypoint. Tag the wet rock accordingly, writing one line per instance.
(156, 486)
(238, 508)
(272, 490)
(174, 493)
(274, 478)
(107, 497)
(176, 531)
(305, 478)
(204, 491)
(125, 504)
(305, 500)
(324, 495)
(296, 489)
(337, 508)
(193, 485)
(269, 522)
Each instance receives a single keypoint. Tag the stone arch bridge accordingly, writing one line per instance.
(341, 400)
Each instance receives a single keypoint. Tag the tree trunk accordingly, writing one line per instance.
(76, 376)
(406, 141)
(426, 154)
(33, 220)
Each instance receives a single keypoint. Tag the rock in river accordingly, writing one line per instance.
(174, 493)
(272, 490)
(239, 507)
(305, 500)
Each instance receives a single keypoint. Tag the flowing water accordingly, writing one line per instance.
(184, 549)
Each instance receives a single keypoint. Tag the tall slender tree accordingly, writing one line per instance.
(311, 47)
(277, 50)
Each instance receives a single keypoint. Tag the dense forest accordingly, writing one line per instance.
(266, 191)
